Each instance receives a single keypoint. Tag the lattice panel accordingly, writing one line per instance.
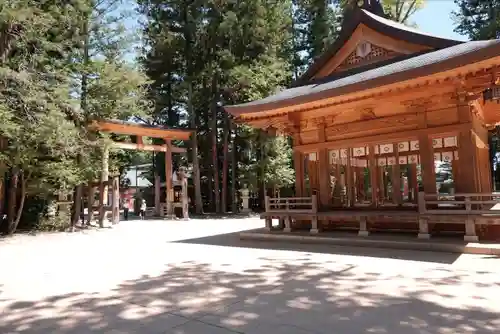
(376, 52)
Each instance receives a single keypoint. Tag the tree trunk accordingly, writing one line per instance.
(225, 162)
(215, 160)
(77, 200)
(3, 145)
(234, 195)
(11, 210)
(263, 190)
(14, 215)
(105, 171)
(20, 207)
(8, 36)
(196, 163)
(103, 187)
(90, 204)
(77, 206)
(194, 142)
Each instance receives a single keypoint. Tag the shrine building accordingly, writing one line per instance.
(390, 131)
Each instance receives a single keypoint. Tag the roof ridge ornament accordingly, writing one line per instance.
(354, 6)
(374, 6)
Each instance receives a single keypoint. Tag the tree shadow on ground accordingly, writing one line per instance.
(277, 296)
(233, 240)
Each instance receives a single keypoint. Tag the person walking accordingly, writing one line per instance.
(142, 210)
(126, 208)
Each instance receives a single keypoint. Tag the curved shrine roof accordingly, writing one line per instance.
(444, 54)
(387, 27)
(364, 78)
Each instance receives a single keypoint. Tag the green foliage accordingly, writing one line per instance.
(275, 165)
(316, 24)
(402, 10)
(478, 19)
(61, 66)
(57, 223)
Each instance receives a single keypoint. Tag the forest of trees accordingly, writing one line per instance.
(64, 64)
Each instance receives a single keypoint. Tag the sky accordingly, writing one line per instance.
(435, 18)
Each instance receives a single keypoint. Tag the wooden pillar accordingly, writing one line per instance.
(324, 173)
(169, 198)
(324, 178)
(105, 173)
(382, 189)
(455, 169)
(3, 146)
(427, 164)
(413, 183)
(372, 164)
(90, 204)
(157, 194)
(115, 200)
(466, 154)
(2, 193)
(184, 193)
(360, 181)
(396, 178)
(349, 176)
(466, 147)
(298, 162)
(102, 210)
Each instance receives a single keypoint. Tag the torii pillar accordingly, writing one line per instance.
(169, 198)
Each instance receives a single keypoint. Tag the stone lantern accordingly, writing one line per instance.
(244, 192)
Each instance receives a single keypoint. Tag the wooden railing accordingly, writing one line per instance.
(459, 204)
(471, 209)
(291, 204)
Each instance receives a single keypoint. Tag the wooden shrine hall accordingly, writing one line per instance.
(390, 132)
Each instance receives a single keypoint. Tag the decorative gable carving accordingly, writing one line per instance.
(366, 53)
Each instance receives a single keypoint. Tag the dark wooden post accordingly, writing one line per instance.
(102, 210)
(466, 154)
(427, 163)
(168, 179)
(373, 166)
(396, 178)
(115, 200)
(184, 194)
(90, 204)
(157, 194)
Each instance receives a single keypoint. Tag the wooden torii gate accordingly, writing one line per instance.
(143, 130)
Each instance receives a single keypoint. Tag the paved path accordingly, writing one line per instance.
(188, 278)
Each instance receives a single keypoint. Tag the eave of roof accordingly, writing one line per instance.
(380, 24)
(422, 65)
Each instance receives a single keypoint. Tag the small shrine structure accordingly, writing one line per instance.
(390, 131)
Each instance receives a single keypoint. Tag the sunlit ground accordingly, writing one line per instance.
(195, 277)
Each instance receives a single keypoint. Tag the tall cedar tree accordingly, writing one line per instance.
(52, 87)
(40, 140)
(108, 87)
